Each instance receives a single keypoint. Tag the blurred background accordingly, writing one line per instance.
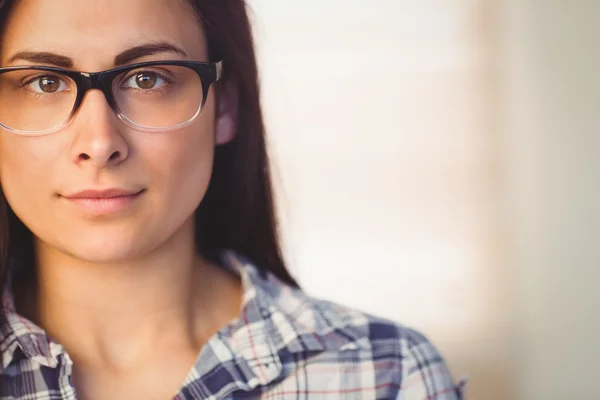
(438, 163)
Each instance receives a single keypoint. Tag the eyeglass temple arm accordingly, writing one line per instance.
(219, 70)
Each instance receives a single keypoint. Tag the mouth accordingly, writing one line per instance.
(103, 202)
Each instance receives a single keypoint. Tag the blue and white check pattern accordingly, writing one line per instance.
(285, 345)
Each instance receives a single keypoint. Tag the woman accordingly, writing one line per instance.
(139, 253)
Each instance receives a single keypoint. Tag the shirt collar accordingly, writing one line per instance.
(276, 321)
(18, 335)
(248, 337)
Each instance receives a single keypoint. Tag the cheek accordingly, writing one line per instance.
(185, 167)
(27, 166)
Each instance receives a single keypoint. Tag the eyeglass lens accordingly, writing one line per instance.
(160, 96)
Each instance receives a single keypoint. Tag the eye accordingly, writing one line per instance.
(47, 84)
(145, 80)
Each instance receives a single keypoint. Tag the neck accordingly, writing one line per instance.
(118, 314)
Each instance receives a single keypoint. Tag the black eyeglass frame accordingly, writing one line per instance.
(208, 73)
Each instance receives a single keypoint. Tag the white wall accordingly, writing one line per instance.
(380, 119)
(439, 164)
(552, 92)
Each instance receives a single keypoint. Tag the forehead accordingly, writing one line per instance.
(92, 32)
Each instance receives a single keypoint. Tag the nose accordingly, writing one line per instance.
(97, 141)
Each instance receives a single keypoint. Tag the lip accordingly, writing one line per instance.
(104, 201)
(102, 194)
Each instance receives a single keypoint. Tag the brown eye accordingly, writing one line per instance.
(146, 80)
(48, 84)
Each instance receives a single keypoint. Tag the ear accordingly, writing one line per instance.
(226, 120)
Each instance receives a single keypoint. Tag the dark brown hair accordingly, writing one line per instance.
(237, 211)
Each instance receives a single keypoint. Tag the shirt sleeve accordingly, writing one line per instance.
(424, 374)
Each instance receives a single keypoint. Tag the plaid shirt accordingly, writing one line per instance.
(285, 345)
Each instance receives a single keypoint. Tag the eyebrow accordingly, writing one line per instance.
(145, 50)
(42, 58)
(122, 58)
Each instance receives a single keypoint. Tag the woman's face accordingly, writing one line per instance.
(169, 170)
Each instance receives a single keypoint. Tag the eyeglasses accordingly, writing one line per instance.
(151, 96)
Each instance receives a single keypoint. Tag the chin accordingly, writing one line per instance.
(103, 247)
(102, 254)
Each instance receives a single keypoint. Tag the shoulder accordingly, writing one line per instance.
(394, 360)
(328, 348)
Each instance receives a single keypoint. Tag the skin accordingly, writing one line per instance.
(124, 293)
